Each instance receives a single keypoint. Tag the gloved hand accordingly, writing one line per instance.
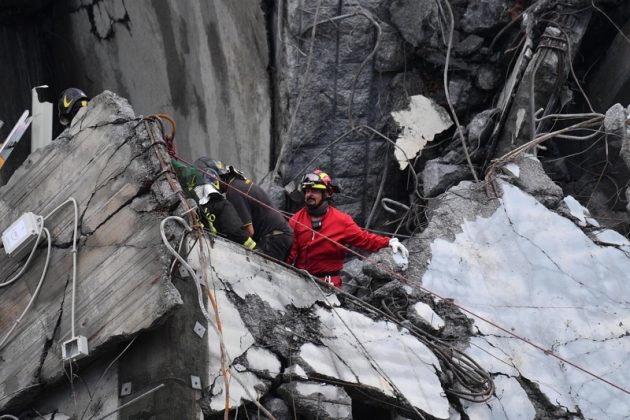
(396, 246)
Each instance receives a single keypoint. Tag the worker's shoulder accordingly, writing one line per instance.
(340, 215)
(298, 215)
(246, 185)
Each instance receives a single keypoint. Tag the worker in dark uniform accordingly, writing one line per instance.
(70, 102)
(217, 214)
(261, 221)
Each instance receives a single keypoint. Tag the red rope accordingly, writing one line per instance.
(419, 286)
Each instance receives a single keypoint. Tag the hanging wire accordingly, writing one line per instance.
(307, 76)
(211, 321)
(458, 126)
(417, 285)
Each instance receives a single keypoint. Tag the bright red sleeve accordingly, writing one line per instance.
(294, 247)
(362, 239)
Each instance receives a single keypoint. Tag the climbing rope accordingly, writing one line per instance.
(198, 232)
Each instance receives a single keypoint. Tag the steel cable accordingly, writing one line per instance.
(419, 286)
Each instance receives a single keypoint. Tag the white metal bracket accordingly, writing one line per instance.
(125, 389)
(195, 382)
(199, 329)
(75, 348)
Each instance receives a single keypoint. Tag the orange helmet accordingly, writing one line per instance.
(320, 180)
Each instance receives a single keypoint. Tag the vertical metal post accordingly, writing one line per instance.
(41, 128)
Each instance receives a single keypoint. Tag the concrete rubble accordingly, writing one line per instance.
(289, 343)
(362, 64)
(506, 173)
(421, 123)
(129, 299)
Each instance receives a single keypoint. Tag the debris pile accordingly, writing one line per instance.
(464, 126)
(499, 75)
(276, 341)
(527, 120)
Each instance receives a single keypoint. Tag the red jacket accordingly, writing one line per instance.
(313, 252)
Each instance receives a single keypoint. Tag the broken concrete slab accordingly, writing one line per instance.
(255, 308)
(420, 123)
(512, 402)
(528, 174)
(572, 209)
(386, 360)
(438, 176)
(561, 279)
(318, 400)
(424, 316)
(263, 362)
(305, 326)
(105, 162)
(610, 237)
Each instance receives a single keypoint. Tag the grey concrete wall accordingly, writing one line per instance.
(327, 88)
(93, 392)
(122, 284)
(204, 63)
(610, 84)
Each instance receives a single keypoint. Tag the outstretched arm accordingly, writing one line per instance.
(363, 239)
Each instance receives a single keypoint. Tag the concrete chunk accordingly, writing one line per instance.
(122, 286)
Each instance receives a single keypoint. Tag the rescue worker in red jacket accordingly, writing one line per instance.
(318, 221)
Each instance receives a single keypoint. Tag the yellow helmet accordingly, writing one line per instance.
(319, 180)
(71, 100)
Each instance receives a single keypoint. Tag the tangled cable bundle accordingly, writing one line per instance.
(476, 381)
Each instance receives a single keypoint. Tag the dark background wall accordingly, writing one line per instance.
(204, 63)
(24, 63)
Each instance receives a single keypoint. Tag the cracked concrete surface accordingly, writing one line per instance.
(142, 49)
(473, 246)
(122, 285)
(104, 17)
(553, 287)
(299, 324)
